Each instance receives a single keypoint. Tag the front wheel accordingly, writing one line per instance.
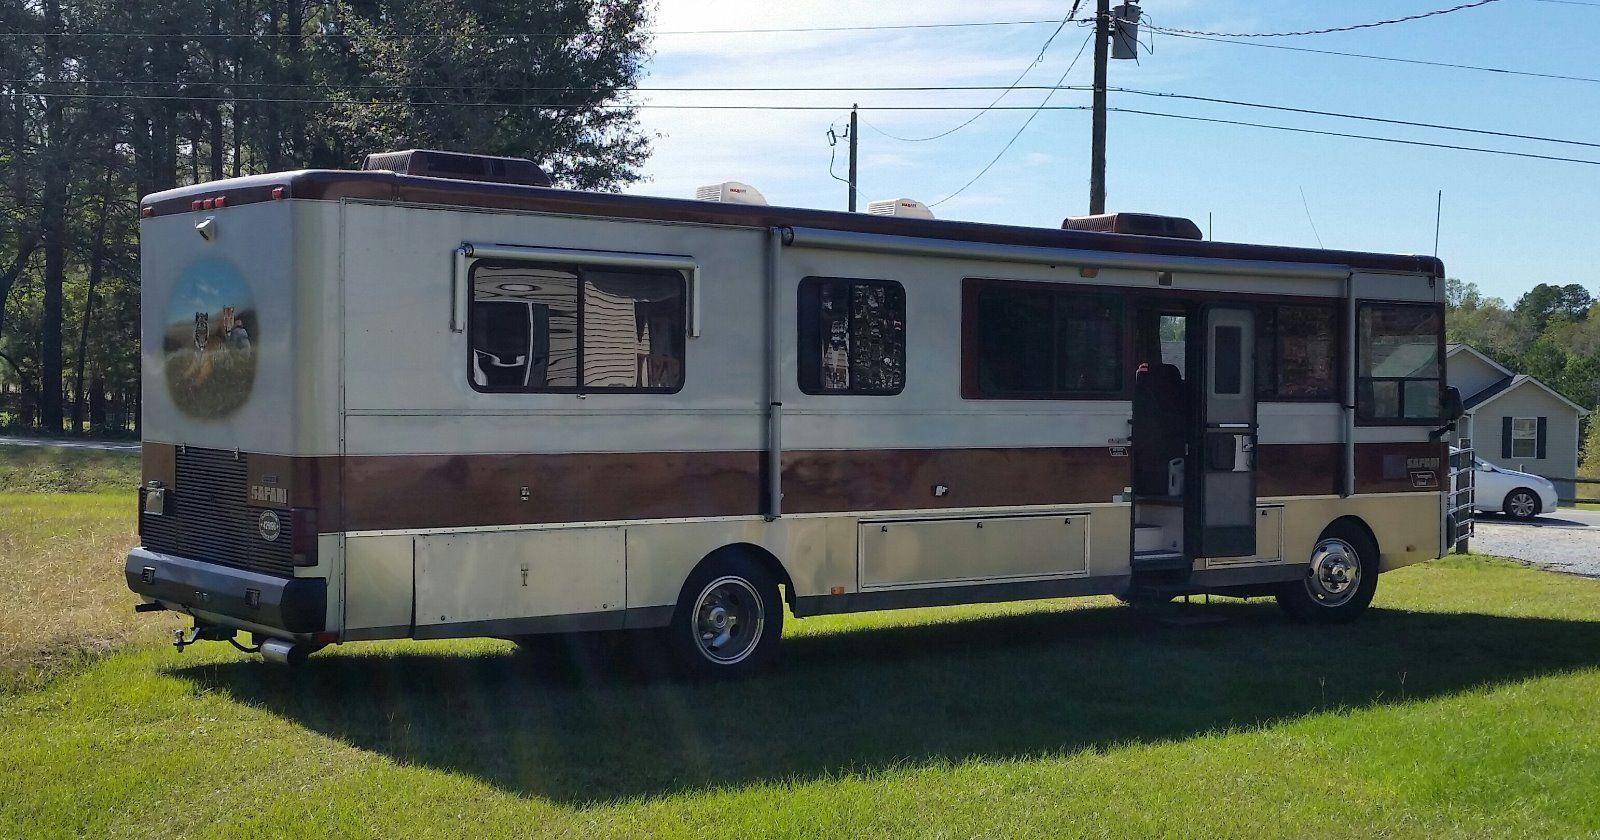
(1340, 580)
(1522, 503)
(728, 619)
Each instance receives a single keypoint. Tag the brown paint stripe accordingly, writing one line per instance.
(441, 491)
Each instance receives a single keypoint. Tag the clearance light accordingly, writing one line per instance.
(1089, 272)
(277, 193)
(195, 205)
(147, 211)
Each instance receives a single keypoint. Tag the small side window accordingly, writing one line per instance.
(852, 336)
(539, 327)
(1227, 359)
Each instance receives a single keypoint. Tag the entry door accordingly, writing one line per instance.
(1224, 513)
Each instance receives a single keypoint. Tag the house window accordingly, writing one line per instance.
(1397, 362)
(1296, 352)
(1525, 437)
(852, 336)
(1034, 341)
(539, 327)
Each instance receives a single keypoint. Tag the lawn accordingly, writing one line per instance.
(1463, 704)
(50, 469)
(66, 521)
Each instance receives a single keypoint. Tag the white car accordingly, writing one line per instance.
(1519, 495)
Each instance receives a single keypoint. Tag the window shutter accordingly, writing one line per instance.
(1539, 441)
(1505, 437)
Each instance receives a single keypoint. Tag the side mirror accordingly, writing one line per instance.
(1450, 405)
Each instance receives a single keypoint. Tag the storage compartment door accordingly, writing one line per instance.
(915, 552)
(518, 574)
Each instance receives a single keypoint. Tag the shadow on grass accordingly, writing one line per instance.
(864, 701)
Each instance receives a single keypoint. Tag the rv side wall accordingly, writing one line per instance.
(625, 493)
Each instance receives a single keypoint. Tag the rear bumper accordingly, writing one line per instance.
(248, 600)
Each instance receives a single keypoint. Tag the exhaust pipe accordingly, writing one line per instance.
(281, 652)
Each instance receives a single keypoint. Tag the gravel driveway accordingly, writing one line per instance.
(1565, 541)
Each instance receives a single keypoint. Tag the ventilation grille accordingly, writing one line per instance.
(207, 518)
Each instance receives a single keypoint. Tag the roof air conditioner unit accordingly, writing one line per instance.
(730, 192)
(905, 207)
(458, 166)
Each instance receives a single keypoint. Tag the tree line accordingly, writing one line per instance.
(104, 101)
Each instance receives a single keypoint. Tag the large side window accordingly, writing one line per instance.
(1296, 352)
(537, 327)
(852, 336)
(1042, 342)
(1398, 362)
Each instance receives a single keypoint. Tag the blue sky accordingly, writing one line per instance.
(1508, 223)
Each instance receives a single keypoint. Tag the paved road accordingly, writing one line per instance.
(1565, 541)
(71, 443)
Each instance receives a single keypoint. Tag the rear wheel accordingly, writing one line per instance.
(1522, 503)
(729, 617)
(1340, 580)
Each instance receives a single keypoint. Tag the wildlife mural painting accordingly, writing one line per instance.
(210, 359)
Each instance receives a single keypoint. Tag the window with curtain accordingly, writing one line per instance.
(536, 327)
(852, 336)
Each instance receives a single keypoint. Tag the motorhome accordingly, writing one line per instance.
(439, 398)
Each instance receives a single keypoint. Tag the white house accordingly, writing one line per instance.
(1513, 420)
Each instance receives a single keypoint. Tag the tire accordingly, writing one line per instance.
(728, 619)
(1522, 504)
(1341, 578)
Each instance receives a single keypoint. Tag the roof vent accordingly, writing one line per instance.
(730, 192)
(461, 167)
(906, 207)
(1137, 224)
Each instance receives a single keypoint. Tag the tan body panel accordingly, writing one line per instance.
(923, 552)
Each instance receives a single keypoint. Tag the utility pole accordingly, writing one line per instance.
(853, 135)
(1097, 147)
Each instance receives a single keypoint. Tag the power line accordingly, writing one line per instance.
(1324, 31)
(775, 30)
(1024, 127)
(1571, 2)
(1362, 117)
(1419, 61)
(1003, 93)
(543, 89)
(1372, 137)
(785, 107)
(550, 105)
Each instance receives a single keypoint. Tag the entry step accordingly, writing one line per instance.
(1159, 560)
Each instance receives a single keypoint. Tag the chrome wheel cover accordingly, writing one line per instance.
(1335, 572)
(1521, 505)
(728, 620)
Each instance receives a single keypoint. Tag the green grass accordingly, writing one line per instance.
(63, 601)
(1464, 704)
(50, 469)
